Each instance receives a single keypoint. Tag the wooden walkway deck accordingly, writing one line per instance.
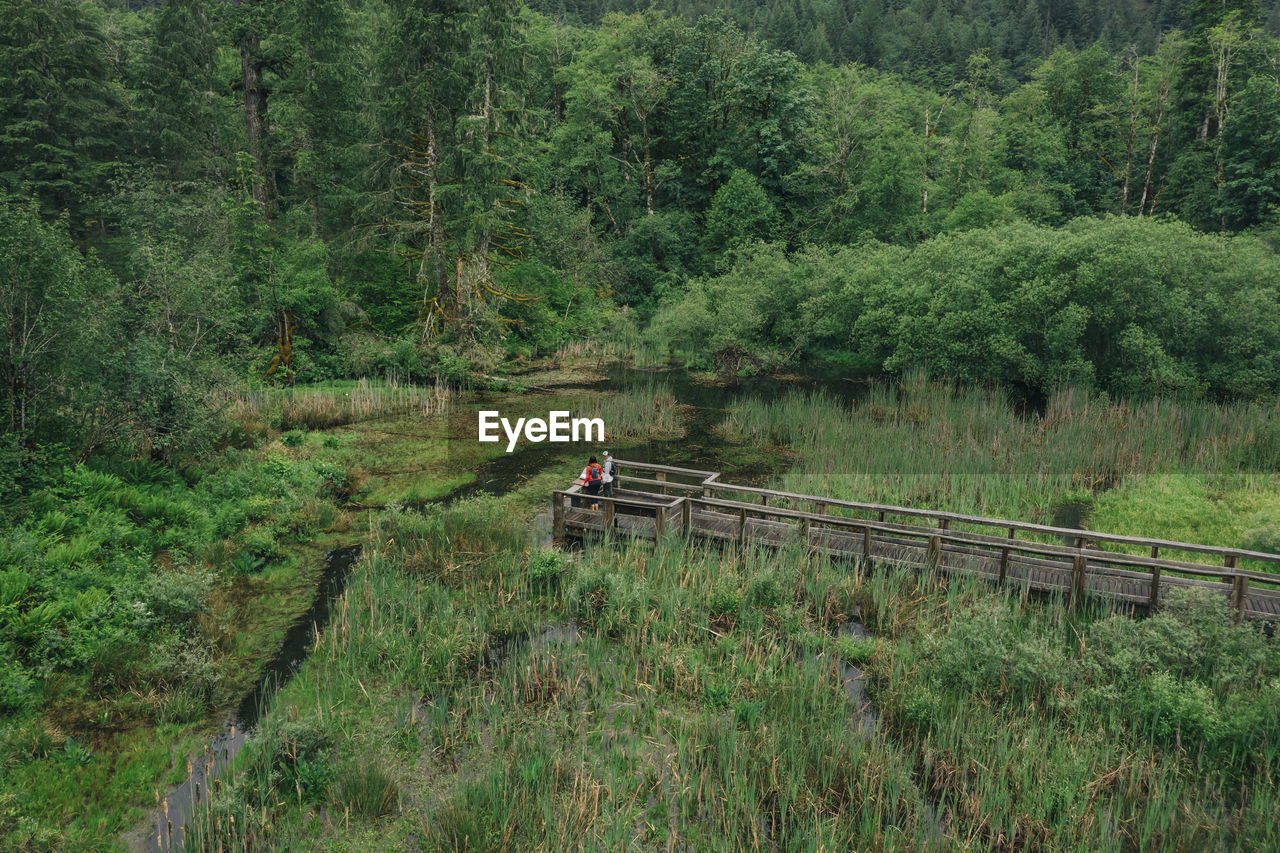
(698, 505)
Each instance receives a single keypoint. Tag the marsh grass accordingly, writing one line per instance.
(316, 407)
(624, 341)
(966, 449)
(667, 696)
(664, 696)
(650, 411)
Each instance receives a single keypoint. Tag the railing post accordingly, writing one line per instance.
(1078, 568)
(742, 528)
(1239, 588)
(661, 476)
(819, 508)
(934, 555)
(1004, 556)
(557, 516)
(1239, 595)
(607, 507)
(686, 516)
(866, 542)
(659, 522)
(1153, 600)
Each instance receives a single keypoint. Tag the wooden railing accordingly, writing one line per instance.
(691, 500)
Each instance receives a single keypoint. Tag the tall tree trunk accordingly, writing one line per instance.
(436, 280)
(1151, 164)
(482, 240)
(924, 183)
(648, 161)
(1128, 142)
(255, 117)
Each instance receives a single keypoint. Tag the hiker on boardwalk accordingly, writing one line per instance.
(610, 471)
(590, 480)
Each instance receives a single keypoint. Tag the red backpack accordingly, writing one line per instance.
(594, 473)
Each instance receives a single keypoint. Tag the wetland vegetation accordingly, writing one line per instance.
(261, 263)
(478, 691)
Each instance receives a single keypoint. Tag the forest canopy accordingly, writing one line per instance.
(278, 192)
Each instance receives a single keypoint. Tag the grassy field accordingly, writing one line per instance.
(477, 692)
(135, 605)
(1195, 472)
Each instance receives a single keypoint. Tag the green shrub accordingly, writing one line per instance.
(247, 563)
(764, 592)
(1172, 707)
(335, 480)
(608, 601)
(716, 692)
(724, 602)
(14, 583)
(1265, 539)
(918, 706)
(856, 652)
(261, 542)
(546, 566)
(986, 650)
(747, 714)
(277, 468)
(294, 438)
(55, 522)
(299, 755)
(27, 740)
(314, 776)
(77, 753)
(17, 688)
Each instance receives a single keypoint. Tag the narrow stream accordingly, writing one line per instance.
(166, 828)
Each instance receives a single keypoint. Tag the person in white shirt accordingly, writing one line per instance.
(610, 470)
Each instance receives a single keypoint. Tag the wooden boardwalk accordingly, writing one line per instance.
(1054, 559)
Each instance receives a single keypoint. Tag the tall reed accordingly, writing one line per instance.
(966, 449)
(335, 404)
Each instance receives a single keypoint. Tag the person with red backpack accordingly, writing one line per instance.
(591, 478)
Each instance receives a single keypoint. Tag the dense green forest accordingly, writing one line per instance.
(932, 41)
(202, 194)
